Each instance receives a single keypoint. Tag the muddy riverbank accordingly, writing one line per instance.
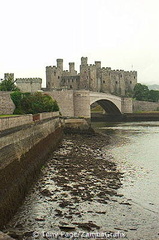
(73, 191)
(80, 192)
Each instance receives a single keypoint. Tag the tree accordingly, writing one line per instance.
(8, 85)
(141, 92)
(153, 96)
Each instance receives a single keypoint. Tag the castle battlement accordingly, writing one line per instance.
(26, 80)
(91, 77)
(51, 67)
(29, 84)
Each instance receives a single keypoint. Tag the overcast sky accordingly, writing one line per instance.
(122, 34)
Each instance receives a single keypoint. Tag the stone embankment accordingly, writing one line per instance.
(26, 142)
(127, 117)
(144, 116)
(78, 126)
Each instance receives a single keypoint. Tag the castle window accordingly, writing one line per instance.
(116, 82)
(54, 73)
(70, 86)
(130, 82)
(103, 81)
(58, 77)
(121, 75)
(134, 77)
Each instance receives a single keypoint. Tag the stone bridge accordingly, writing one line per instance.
(77, 103)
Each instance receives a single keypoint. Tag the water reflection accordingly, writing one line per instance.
(127, 128)
(138, 158)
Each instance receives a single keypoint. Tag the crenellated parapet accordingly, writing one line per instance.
(28, 80)
(91, 77)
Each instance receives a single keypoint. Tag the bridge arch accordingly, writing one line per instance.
(110, 103)
(108, 106)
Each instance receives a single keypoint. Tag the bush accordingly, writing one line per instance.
(33, 103)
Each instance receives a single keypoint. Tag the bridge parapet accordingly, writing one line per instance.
(76, 103)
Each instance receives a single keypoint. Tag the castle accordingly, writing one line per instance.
(92, 77)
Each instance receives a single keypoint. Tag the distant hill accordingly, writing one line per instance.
(153, 87)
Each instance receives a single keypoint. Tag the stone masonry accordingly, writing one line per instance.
(29, 84)
(91, 77)
(6, 103)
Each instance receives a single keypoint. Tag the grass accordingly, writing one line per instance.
(9, 115)
(97, 109)
(147, 111)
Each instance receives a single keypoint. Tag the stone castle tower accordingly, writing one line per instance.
(91, 77)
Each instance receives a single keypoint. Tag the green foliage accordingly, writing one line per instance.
(142, 93)
(8, 85)
(153, 96)
(33, 103)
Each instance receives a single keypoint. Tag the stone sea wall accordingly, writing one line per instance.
(24, 147)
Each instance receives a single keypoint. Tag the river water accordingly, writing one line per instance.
(107, 184)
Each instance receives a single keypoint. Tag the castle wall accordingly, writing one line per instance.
(53, 77)
(23, 150)
(70, 82)
(60, 64)
(29, 84)
(91, 77)
(84, 74)
(115, 83)
(6, 104)
(105, 80)
(130, 80)
(49, 82)
(98, 75)
(122, 82)
(72, 71)
(93, 86)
